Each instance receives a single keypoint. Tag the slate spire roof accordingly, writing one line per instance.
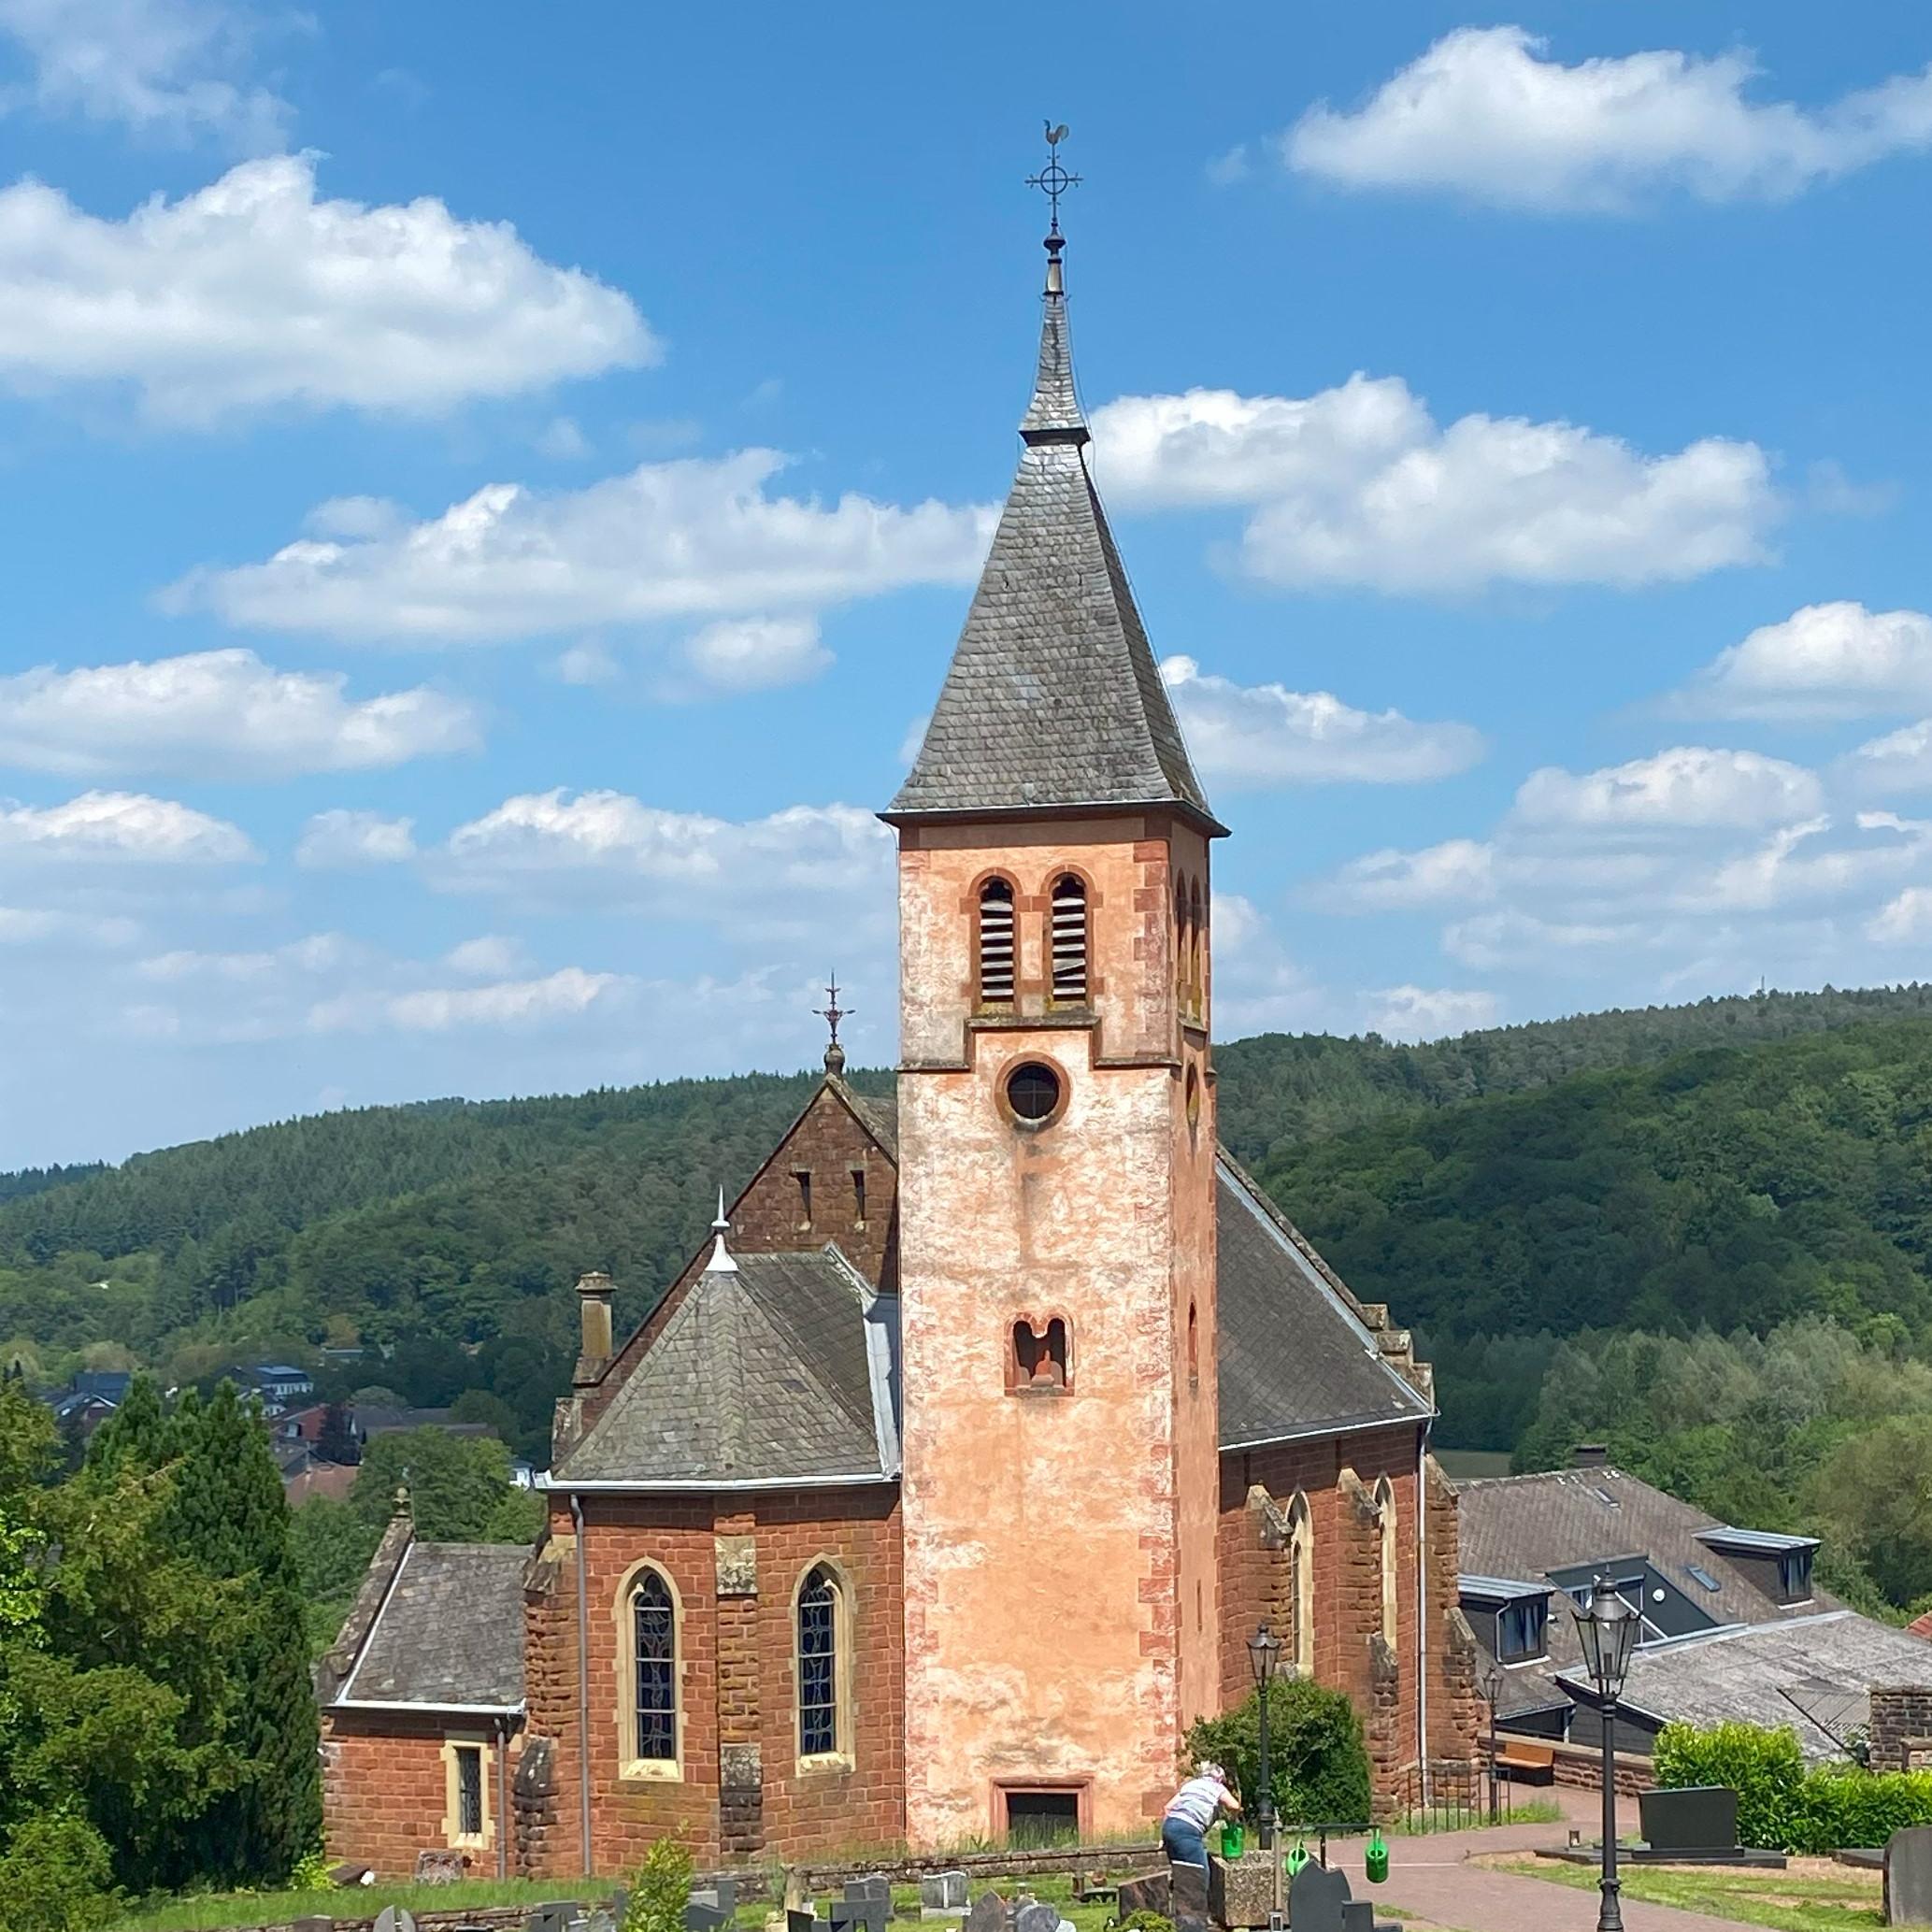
(1053, 699)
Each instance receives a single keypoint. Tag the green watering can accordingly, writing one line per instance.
(1234, 1839)
(1375, 1859)
(1297, 1858)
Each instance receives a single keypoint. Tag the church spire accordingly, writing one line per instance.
(1053, 699)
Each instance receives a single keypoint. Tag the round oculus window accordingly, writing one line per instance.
(1033, 1091)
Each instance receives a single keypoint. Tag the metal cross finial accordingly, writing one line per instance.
(1053, 180)
(832, 1013)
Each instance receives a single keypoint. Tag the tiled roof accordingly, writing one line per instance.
(449, 1632)
(1814, 1673)
(1295, 1359)
(781, 1369)
(1052, 698)
(1529, 1525)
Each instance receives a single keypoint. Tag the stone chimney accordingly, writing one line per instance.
(594, 1293)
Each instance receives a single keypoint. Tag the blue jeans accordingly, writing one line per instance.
(1183, 1843)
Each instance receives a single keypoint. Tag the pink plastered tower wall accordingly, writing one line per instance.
(1060, 1548)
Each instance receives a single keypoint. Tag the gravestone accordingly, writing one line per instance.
(1909, 1876)
(1690, 1818)
(1241, 1891)
(314, 1922)
(942, 1895)
(872, 1885)
(439, 1867)
(1188, 1899)
(394, 1918)
(859, 1914)
(1034, 1917)
(800, 1918)
(1316, 1897)
(553, 1917)
(987, 1913)
(1358, 1915)
(700, 1917)
(1154, 1892)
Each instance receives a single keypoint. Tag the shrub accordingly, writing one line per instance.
(56, 1876)
(1147, 1921)
(1782, 1807)
(660, 1890)
(1762, 1767)
(1318, 1764)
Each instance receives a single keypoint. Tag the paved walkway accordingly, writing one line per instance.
(1429, 1879)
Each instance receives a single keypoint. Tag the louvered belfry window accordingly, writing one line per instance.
(1069, 939)
(996, 943)
(656, 1635)
(818, 1665)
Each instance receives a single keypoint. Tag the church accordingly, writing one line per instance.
(940, 1493)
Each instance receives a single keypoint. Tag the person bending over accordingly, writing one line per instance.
(1192, 1810)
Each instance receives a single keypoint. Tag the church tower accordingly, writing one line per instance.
(1056, 1111)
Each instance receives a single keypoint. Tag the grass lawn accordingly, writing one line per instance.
(1789, 1902)
(221, 1911)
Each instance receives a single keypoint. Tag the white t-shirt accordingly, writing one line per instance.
(1198, 1800)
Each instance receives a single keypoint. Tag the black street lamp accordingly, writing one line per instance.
(1264, 1654)
(1607, 1629)
(1493, 1689)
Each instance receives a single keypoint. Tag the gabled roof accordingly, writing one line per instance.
(1052, 699)
(1294, 1358)
(781, 1369)
(448, 1635)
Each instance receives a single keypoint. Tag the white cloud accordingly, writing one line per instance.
(1821, 858)
(251, 294)
(567, 993)
(1267, 735)
(1458, 872)
(1360, 486)
(1899, 761)
(1483, 114)
(343, 840)
(563, 441)
(488, 953)
(1258, 986)
(218, 714)
(587, 662)
(1423, 1012)
(1689, 786)
(690, 537)
(1501, 940)
(798, 870)
(36, 926)
(167, 67)
(755, 654)
(124, 827)
(320, 953)
(1907, 917)
(1826, 661)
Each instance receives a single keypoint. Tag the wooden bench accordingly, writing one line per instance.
(1523, 1763)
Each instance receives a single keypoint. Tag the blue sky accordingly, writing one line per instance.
(488, 494)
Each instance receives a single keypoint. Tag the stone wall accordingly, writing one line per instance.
(739, 1791)
(1900, 1737)
(1339, 1476)
(386, 1789)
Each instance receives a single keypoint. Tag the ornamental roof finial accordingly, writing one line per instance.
(720, 1262)
(1054, 416)
(832, 1013)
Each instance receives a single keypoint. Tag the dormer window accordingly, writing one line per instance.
(1069, 939)
(996, 943)
(1520, 1630)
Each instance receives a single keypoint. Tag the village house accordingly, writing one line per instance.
(939, 1495)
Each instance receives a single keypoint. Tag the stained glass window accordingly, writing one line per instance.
(818, 1665)
(469, 1791)
(657, 1667)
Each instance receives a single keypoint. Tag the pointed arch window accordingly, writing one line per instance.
(1386, 1507)
(1301, 1584)
(996, 943)
(820, 1663)
(1069, 939)
(1196, 953)
(655, 1641)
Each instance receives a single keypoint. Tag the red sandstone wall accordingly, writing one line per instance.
(1347, 1580)
(385, 1794)
(736, 1679)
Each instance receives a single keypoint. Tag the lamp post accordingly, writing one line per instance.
(1263, 1654)
(1493, 1689)
(1607, 1629)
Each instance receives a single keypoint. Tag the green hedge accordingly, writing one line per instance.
(1317, 1761)
(1783, 1806)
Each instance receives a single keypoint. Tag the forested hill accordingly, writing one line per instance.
(451, 1230)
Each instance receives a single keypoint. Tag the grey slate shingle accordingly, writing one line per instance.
(450, 1632)
(760, 1375)
(1052, 697)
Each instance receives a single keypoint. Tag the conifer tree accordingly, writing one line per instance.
(230, 1517)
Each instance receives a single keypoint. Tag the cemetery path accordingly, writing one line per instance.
(1429, 1879)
